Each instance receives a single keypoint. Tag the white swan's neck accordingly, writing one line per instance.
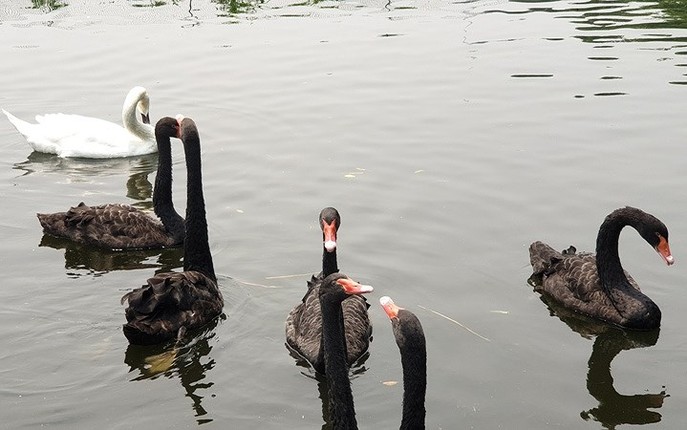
(137, 96)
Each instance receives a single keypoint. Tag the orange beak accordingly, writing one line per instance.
(389, 307)
(352, 287)
(663, 248)
(329, 231)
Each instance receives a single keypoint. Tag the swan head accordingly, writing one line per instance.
(352, 287)
(167, 127)
(329, 223)
(389, 307)
(138, 96)
(407, 328)
(663, 249)
(648, 226)
(340, 286)
(188, 131)
(143, 107)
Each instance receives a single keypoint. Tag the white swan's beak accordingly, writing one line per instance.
(145, 117)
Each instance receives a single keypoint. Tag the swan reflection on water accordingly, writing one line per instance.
(98, 261)
(188, 360)
(614, 408)
(358, 368)
(138, 186)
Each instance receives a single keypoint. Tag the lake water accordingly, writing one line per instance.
(450, 135)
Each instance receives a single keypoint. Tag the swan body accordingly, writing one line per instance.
(80, 136)
(410, 339)
(172, 303)
(119, 226)
(597, 285)
(304, 323)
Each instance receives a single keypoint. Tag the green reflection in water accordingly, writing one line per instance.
(47, 4)
(233, 7)
(151, 3)
(618, 14)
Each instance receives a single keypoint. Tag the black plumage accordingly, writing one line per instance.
(304, 322)
(174, 302)
(597, 285)
(120, 226)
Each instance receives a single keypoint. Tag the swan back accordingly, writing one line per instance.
(68, 135)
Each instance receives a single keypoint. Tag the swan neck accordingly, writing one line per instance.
(329, 264)
(341, 406)
(414, 363)
(163, 204)
(635, 309)
(610, 270)
(131, 122)
(197, 254)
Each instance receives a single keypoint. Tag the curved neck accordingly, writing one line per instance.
(414, 362)
(162, 193)
(131, 122)
(341, 406)
(197, 254)
(329, 265)
(608, 264)
(635, 309)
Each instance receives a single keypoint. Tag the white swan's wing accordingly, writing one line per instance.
(70, 123)
(80, 136)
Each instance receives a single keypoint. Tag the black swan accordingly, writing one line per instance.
(597, 285)
(304, 323)
(119, 226)
(410, 339)
(172, 303)
(334, 290)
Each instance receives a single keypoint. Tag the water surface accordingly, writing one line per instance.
(449, 135)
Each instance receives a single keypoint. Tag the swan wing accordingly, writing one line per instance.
(304, 326)
(80, 136)
(114, 226)
(169, 301)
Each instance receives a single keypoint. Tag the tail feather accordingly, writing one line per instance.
(22, 126)
(543, 257)
(36, 139)
(54, 223)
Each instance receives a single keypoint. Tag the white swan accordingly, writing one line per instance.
(86, 137)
